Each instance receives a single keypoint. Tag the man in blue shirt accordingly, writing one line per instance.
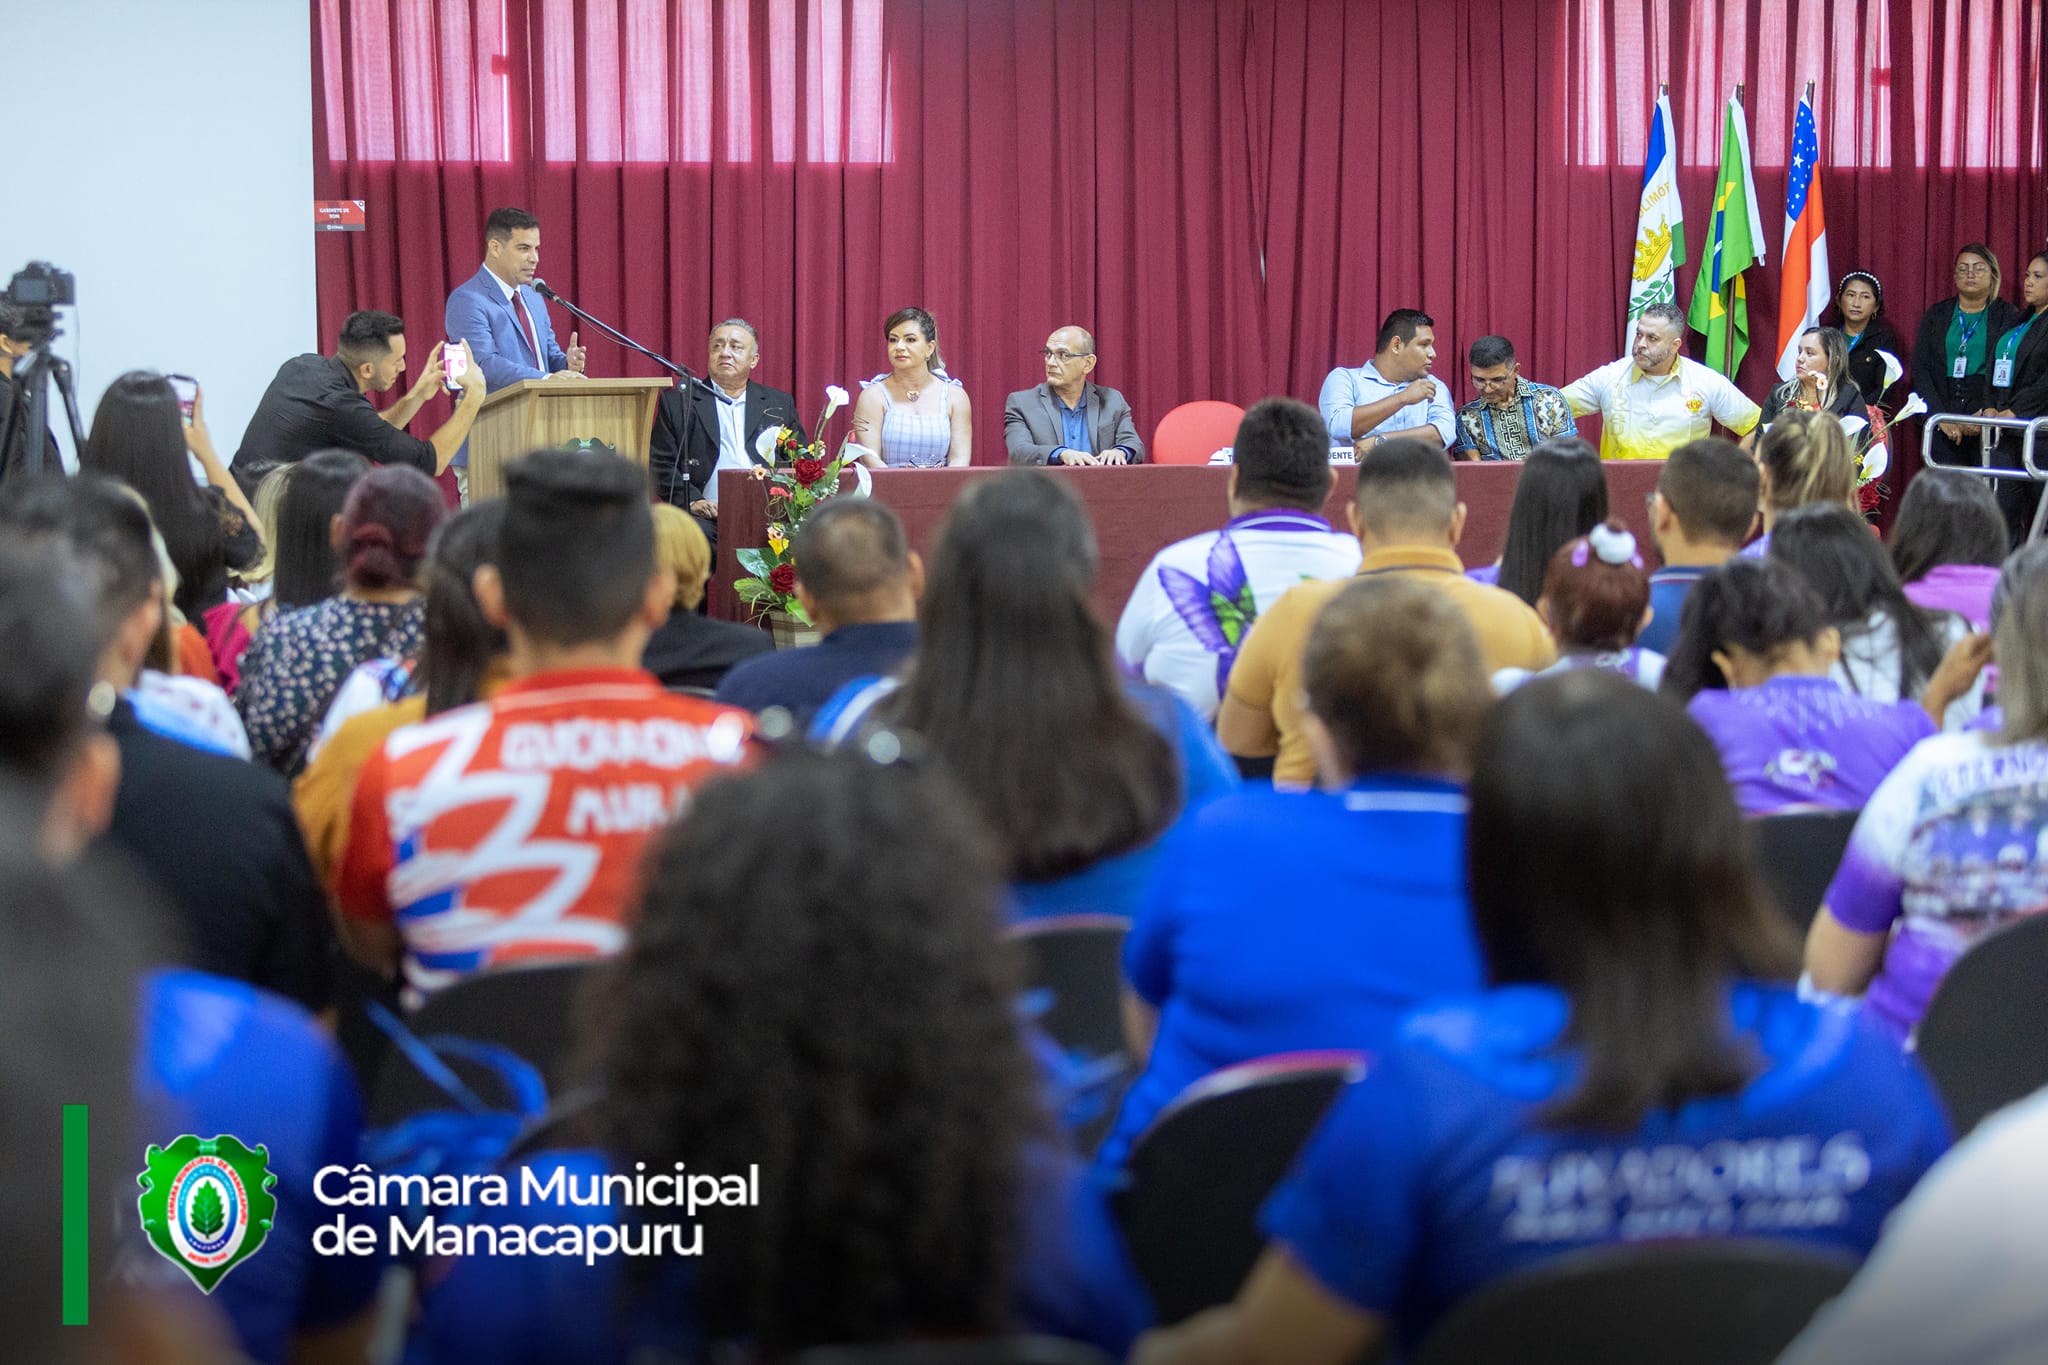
(1701, 513)
(859, 581)
(1393, 394)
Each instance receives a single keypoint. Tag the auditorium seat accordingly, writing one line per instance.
(1984, 1038)
(1073, 973)
(998, 1351)
(527, 1011)
(1192, 1189)
(1797, 852)
(1712, 1302)
(1192, 432)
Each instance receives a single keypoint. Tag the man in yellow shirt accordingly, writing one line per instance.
(1407, 518)
(1656, 399)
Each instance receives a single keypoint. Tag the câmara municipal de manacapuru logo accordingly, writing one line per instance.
(206, 1204)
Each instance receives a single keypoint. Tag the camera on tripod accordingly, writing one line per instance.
(38, 289)
(35, 294)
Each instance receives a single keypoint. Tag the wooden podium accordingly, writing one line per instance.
(536, 413)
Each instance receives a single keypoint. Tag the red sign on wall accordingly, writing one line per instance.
(339, 215)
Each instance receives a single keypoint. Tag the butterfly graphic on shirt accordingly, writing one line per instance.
(1219, 612)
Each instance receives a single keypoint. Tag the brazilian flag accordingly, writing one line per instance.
(1720, 307)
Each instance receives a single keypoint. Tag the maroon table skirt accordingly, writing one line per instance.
(1139, 509)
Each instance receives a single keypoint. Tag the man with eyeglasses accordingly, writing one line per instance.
(1067, 420)
(1511, 416)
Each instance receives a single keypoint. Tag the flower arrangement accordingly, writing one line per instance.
(799, 476)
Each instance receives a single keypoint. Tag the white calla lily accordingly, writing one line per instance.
(1893, 370)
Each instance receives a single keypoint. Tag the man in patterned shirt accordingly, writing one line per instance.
(512, 830)
(1511, 416)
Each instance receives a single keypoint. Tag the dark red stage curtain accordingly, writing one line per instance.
(1229, 193)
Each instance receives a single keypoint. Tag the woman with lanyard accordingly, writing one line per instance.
(1951, 352)
(2019, 388)
(1859, 312)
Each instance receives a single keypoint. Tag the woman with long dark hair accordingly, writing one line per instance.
(1015, 687)
(1859, 312)
(1641, 1024)
(140, 437)
(846, 1031)
(1560, 493)
(917, 415)
(1948, 542)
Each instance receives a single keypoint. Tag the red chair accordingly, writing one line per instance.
(1192, 432)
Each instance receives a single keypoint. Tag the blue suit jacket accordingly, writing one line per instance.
(480, 314)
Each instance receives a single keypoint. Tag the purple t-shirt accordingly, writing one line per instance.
(1950, 845)
(1964, 589)
(1798, 741)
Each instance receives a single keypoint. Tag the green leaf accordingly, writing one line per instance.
(753, 590)
(796, 609)
(755, 562)
(207, 1213)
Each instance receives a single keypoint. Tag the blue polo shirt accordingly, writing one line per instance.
(1669, 587)
(1283, 921)
(802, 680)
(1432, 1176)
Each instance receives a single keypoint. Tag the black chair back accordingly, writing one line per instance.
(1714, 1302)
(528, 1011)
(1797, 853)
(1984, 1039)
(996, 1351)
(1073, 973)
(1189, 1209)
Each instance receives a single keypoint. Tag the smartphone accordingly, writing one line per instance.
(453, 364)
(187, 389)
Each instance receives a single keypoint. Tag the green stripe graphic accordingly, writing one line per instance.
(77, 1204)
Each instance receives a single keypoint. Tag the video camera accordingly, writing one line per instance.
(38, 289)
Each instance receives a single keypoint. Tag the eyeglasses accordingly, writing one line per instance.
(1064, 356)
(1978, 269)
(1506, 381)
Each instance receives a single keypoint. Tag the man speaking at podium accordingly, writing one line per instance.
(504, 320)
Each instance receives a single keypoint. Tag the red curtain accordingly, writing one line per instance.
(1229, 193)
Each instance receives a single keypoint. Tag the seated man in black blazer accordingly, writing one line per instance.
(700, 429)
(1067, 420)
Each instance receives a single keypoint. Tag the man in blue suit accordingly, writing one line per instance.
(503, 319)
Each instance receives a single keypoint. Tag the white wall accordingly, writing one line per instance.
(162, 150)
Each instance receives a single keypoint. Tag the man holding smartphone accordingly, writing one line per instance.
(504, 320)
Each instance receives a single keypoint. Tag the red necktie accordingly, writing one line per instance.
(532, 337)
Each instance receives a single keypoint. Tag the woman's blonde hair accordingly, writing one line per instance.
(269, 494)
(680, 547)
(1808, 458)
(1393, 672)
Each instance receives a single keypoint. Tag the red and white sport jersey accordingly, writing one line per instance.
(513, 829)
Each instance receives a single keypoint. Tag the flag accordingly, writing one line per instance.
(1805, 285)
(1720, 305)
(1660, 224)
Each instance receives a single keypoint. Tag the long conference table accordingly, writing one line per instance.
(1139, 509)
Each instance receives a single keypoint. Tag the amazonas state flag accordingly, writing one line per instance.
(1805, 292)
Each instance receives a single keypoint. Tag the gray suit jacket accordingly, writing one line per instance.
(1032, 428)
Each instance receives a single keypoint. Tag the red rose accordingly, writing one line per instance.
(809, 472)
(782, 578)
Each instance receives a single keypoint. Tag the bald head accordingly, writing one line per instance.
(852, 565)
(1069, 360)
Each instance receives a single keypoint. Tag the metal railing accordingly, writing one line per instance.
(2030, 427)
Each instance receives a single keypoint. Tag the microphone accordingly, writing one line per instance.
(682, 373)
(546, 291)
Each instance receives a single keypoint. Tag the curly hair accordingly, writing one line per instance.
(847, 1024)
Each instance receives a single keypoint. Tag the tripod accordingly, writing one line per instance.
(28, 416)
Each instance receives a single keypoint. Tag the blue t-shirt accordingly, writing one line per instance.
(802, 680)
(222, 1056)
(1669, 587)
(1071, 1280)
(1430, 1177)
(1284, 921)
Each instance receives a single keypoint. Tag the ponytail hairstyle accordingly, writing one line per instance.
(457, 642)
(1596, 591)
(937, 363)
(1807, 457)
(1759, 606)
(385, 525)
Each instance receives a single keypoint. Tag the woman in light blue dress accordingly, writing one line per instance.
(916, 416)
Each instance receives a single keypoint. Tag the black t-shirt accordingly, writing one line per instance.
(314, 404)
(217, 837)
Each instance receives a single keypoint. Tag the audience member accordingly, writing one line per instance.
(874, 1077)
(462, 658)
(322, 402)
(167, 699)
(1891, 649)
(1408, 519)
(2019, 389)
(1015, 688)
(1702, 510)
(1753, 665)
(1820, 380)
(1950, 844)
(305, 570)
(1511, 416)
(1067, 420)
(859, 583)
(1283, 921)
(700, 429)
(1637, 1022)
(1859, 313)
(1952, 350)
(438, 875)
(1198, 597)
(1803, 459)
(251, 583)
(1657, 398)
(1561, 493)
(1596, 600)
(935, 424)
(214, 835)
(56, 761)
(300, 658)
(1393, 394)
(1947, 544)
(139, 438)
(689, 649)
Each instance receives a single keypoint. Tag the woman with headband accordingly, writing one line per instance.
(1859, 312)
